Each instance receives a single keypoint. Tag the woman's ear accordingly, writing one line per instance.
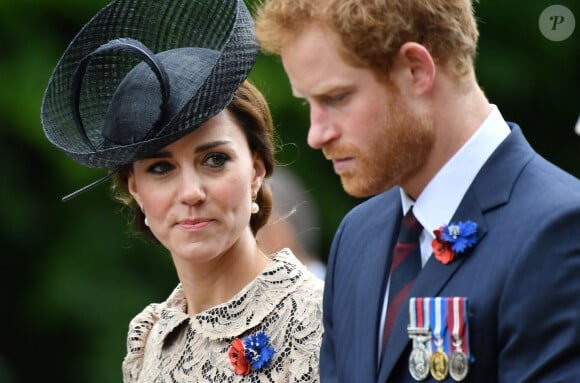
(259, 173)
(132, 186)
(417, 59)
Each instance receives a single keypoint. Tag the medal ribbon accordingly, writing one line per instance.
(438, 318)
(458, 322)
(426, 318)
(419, 322)
(419, 313)
(413, 312)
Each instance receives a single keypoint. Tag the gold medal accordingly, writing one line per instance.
(439, 365)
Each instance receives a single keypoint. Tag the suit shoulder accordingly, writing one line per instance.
(551, 184)
(372, 206)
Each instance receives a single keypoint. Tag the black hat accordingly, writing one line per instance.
(144, 73)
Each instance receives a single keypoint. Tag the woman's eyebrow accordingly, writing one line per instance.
(211, 145)
(199, 149)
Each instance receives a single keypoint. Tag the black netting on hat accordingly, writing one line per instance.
(224, 26)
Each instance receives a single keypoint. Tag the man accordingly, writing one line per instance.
(395, 105)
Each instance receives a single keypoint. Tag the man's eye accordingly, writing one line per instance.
(216, 160)
(334, 99)
(159, 168)
(339, 97)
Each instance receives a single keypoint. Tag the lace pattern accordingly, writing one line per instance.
(285, 302)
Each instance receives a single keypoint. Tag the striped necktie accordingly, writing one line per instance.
(405, 267)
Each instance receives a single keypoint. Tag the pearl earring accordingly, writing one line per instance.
(146, 222)
(255, 207)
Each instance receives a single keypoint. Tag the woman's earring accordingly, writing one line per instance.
(145, 221)
(255, 207)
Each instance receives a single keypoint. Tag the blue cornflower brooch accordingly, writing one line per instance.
(453, 239)
(251, 353)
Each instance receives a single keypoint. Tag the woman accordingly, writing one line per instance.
(196, 196)
(190, 144)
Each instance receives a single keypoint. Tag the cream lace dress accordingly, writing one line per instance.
(285, 302)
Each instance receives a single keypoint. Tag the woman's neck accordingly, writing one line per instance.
(213, 283)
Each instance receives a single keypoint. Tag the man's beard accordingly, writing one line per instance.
(397, 151)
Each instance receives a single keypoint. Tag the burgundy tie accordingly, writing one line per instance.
(405, 266)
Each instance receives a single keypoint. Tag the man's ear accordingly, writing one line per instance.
(421, 66)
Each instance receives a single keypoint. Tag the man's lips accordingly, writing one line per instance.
(341, 164)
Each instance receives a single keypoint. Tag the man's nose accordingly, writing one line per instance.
(321, 130)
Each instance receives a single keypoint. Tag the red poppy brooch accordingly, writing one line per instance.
(251, 353)
(454, 239)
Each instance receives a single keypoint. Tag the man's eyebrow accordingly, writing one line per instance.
(324, 91)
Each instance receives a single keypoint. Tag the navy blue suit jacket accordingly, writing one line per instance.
(522, 278)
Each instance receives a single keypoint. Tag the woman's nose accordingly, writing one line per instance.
(191, 189)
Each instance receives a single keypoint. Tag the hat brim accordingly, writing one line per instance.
(224, 26)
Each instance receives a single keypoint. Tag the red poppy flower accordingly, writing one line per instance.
(238, 358)
(442, 249)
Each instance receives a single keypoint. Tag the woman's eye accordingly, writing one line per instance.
(216, 160)
(159, 168)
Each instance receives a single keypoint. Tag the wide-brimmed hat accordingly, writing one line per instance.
(144, 73)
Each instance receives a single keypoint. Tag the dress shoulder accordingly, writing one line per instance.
(139, 331)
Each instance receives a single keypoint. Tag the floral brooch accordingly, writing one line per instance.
(453, 239)
(251, 353)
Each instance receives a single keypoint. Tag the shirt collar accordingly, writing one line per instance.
(443, 194)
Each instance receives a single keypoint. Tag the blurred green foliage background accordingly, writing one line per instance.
(72, 276)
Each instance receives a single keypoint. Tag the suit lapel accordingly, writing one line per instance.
(490, 189)
(370, 294)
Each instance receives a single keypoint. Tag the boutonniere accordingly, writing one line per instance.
(251, 353)
(453, 239)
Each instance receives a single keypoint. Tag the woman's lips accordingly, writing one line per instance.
(194, 224)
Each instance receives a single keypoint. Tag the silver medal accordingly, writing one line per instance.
(458, 366)
(419, 363)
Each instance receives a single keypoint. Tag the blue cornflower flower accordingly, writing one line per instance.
(258, 350)
(461, 235)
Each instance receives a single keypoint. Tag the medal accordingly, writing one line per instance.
(439, 364)
(419, 363)
(459, 362)
(458, 366)
(420, 334)
(439, 331)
